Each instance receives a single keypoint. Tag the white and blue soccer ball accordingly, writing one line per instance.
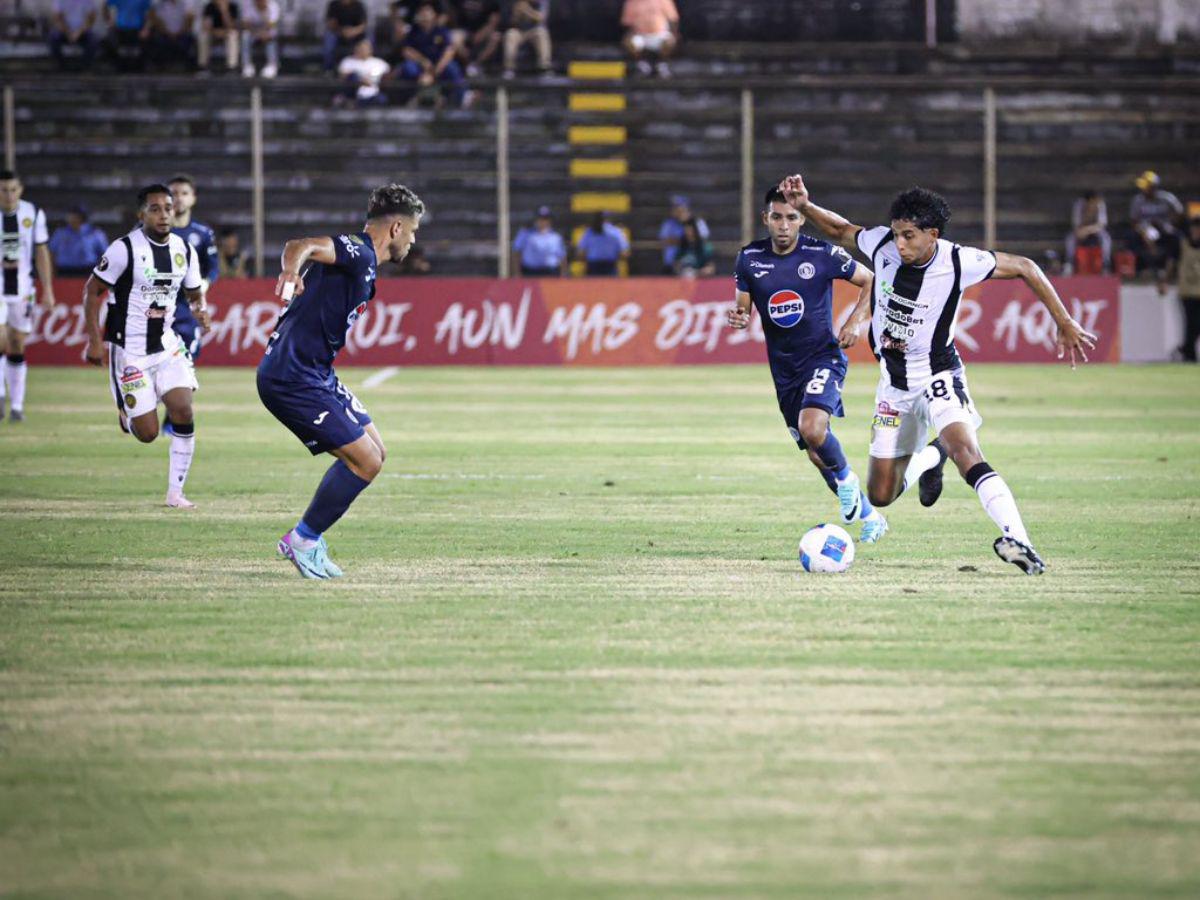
(826, 548)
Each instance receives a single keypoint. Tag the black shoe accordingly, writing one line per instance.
(1020, 555)
(930, 482)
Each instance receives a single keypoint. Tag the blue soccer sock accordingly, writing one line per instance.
(832, 456)
(337, 490)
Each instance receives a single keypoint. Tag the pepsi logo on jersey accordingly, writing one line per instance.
(786, 308)
(357, 311)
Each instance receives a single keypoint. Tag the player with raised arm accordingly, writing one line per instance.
(326, 283)
(789, 278)
(23, 247)
(919, 280)
(140, 276)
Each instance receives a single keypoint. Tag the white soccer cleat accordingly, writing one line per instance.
(1019, 554)
(849, 494)
(176, 500)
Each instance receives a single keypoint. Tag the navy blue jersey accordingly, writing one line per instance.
(794, 296)
(312, 328)
(204, 242)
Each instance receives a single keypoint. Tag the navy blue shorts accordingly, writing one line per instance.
(186, 326)
(822, 390)
(323, 417)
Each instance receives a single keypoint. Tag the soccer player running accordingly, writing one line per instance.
(326, 283)
(23, 246)
(204, 242)
(919, 280)
(140, 275)
(789, 278)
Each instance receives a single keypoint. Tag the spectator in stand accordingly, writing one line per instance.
(429, 54)
(476, 33)
(528, 22)
(78, 245)
(130, 23)
(1089, 228)
(345, 26)
(171, 32)
(602, 245)
(416, 263)
(218, 22)
(260, 27)
(1154, 215)
(670, 233)
(1187, 268)
(231, 261)
(362, 71)
(540, 251)
(651, 32)
(72, 24)
(401, 23)
(695, 252)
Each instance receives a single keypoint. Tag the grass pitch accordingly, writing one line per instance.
(574, 655)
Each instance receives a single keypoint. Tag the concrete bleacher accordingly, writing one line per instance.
(859, 130)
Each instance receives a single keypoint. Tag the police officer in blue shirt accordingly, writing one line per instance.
(602, 246)
(540, 251)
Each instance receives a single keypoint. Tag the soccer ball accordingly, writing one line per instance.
(826, 548)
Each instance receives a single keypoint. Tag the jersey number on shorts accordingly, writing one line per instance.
(937, 390)
(817, 384)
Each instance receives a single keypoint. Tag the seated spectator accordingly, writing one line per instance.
(218, 22)
(171, 37)
(695, 252)
(1154, 216)
(1187, 269)
(602, 245)
(400, 23)
(429, 54)
(78, 245)
(528, 22)
(231, 261)
(540, 251)
(362, 71)
(670, 233)
(260, 28)
(1089, 228)
(416, 263)
(72, 24)
(476, 33)
(130, 24)
(651, 32)
(345, 26)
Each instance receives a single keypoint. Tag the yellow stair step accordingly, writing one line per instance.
(596, 102)
(599, 168)
(594, 70)
(597, 201)
(597, 134)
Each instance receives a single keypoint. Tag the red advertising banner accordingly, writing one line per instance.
(603, 321)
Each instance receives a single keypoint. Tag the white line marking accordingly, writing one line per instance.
(380, 377)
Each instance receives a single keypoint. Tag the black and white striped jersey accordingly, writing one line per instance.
(20, 231)
(914, 308)
(145, 278)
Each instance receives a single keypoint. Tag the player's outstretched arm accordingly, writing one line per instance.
(864, 279)
(93, 297)
(1072, 338)
(295, 255)
(739, 315)
(838, 229)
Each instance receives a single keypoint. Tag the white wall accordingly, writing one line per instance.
(1166, 21)
(1151, 324)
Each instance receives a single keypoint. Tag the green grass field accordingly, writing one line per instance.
(574, 654)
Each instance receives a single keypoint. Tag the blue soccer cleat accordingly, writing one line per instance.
(310, 562)
(874, 527)
(332, 569)
(849, 495)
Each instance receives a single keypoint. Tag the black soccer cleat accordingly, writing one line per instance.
(930, 483)
(1020, 555)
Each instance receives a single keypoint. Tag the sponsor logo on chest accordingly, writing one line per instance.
(785, 308)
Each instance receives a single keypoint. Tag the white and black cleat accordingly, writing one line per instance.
(1020, 555)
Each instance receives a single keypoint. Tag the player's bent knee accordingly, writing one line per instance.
(879, 496)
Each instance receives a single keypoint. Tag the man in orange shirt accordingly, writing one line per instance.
(651, 30)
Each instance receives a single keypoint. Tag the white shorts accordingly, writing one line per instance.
(17, 314)
(903, 418)
(139, 382)
(651, 42)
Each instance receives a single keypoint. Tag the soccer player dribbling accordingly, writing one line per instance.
(789, 278)
(326, 284)
(919, 280)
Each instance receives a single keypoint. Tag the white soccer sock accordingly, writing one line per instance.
(921, 462)
(182, 448)
(16, 383)
(999, 503)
